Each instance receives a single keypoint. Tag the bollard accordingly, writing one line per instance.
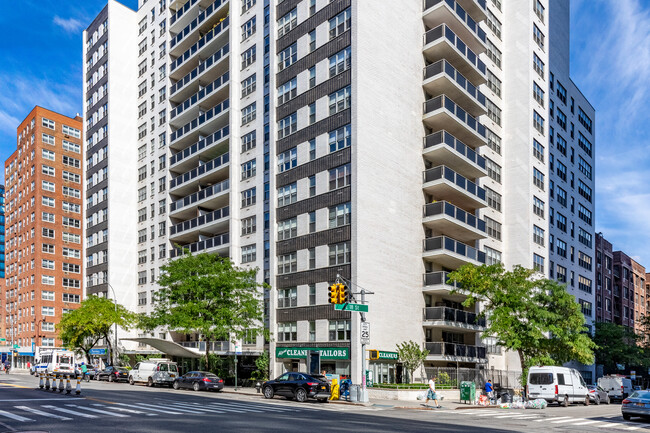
(54, 377)
(47, 381)
(61, 386)
(78, 388)
(68, 388)
(40, 383)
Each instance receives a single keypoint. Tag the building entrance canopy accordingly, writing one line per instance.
(168, 347)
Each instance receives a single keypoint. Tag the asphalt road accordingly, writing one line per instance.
(112, 407)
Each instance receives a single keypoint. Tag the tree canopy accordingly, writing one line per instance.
(82, 328)
(207, 294)
(535, 317)
(412, 356)
(618, 345)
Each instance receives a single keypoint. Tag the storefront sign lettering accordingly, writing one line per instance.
(301, 352)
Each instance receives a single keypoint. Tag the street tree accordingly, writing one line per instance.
(82, 328)
(412, 356)
(617, 345)
(535, 317)
(207, 294)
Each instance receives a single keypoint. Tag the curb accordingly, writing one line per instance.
(254, 394)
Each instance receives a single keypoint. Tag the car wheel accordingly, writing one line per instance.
(301, 395)
(597, 400)
(110, 378)
(175, 385)
(586, 403)
(608, 401)
(565, 402)
(268, 392)
(150, 382)
(196, 386)
(626, 417)
(131, 381)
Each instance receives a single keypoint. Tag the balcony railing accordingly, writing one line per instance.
(199, 69)
(443, 31)
(179, 13)
(212, 112)
(451, 141)
(200, 145)
(200, 195)
(205, 91)
(215, 346)
(453, 315)
(460, 12)
(447, 173)
(443, 101)
(444, 66)
(200, 44)
(206, 244)
(449, 244)
(200, 170)
(216, 215)
(446, 208)
(451, 349)
(198, 20)
(438, 278)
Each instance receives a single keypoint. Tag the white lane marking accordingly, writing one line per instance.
(551, 419)
(261, 406)
(40, 412)
(105, 412)
(562, 421)
(178, 410)
(634, 427)
(165, 411)
(512, 416)
(45, 399)
(13, 416)
(231, 407)
(122, 409)
(609, 424)
(205, 409)
(587, 422)
(490, 413)
(70, 412)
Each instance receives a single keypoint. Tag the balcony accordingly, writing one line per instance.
(445, 218)
(209, 172)
(443, 148)
(182, 16)
(213, 222)
(441, 78)
(180, 42)
(441, 113)
(211, 197)
(442, 43)
(445, 184)
(438, 283)
(440, 351)
(216, 37)
(450, 253)
(207, 96)
(452, 13)
(218, 244)
(183, 88)
(205, 124)
(452, 319)
(208, 147)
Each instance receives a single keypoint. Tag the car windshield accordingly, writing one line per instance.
(121, 369)
(641, 394)
(540, 379)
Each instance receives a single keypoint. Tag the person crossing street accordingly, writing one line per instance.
(431, 393)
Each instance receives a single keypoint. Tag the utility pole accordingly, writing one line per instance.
(13, 358)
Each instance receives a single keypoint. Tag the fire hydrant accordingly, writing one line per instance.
(258, 386)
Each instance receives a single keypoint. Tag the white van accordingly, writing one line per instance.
(618, 387)
(557, 385)
(56, 362)
(154, 372)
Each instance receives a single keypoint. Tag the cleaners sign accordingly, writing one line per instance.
(301, 352)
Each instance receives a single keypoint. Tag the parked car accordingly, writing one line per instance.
(560, 385)
(597, 394)
(154, 372)
(300, 386)
(198, 380)
(113, 374)
(637, 404)
(618, 387)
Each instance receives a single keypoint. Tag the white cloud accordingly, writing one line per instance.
(8, 123)
(70, 25)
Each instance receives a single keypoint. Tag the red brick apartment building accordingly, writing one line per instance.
(44, 226)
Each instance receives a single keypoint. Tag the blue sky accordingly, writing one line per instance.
(610, 61)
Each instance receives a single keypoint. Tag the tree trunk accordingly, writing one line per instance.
(207, 354)
(524, 369)
(113, 357)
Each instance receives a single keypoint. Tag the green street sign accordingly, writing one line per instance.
(351, 307)
(16, 346)
(3, 339)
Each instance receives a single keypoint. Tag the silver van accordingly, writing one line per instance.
(154, 372)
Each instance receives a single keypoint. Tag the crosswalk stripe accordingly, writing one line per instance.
(40, 412)
(587, 422)
(14, 416)
(562, 421)
(489, 413)
(151, 408)
(551, 419)
(512, 416)
(70, 412)
(122, 409)
(244, 409)
(259, 406)
(608, 424)
(205, 409)
(105, 412)
(633, 427)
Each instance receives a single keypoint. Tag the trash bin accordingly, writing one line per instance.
(354, 393)
(467, 392)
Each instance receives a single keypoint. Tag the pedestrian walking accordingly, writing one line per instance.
(489, 389)
(7, 366)
(84, 372)
(431, 393)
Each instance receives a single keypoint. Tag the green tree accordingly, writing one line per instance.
(207, 294)
(535, 317)
(617, 345)
(412, 356)
(262, 364)
(82, 328)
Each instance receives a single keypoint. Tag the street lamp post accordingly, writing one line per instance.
(115, 301)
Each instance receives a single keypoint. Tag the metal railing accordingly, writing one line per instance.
(200, 170)
(199, 221)
(446, 208)
(188, 127)
(449, 244)
(443, 66)
(200, 44)
(443, 101)
(205, 91)
(206, 244)
(195, 22)
(438, 278)
(179, 13)
(460, 12)
(200, 195)
(453, 315)
(451, 377)
(452, 349)
(199, 69)
(443, 136)
(200, 145)
(444, 31)
(447, 173)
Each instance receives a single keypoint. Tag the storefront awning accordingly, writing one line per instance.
(168, 347)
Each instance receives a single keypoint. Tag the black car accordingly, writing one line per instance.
(198, 380)
(113, 374)
(300, 386)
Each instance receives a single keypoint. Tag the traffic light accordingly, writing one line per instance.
(333, 292)
(373, 354)
(344, 294)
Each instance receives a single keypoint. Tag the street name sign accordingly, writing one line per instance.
(351, 307)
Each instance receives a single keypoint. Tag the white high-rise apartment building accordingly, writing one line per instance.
(386, 145)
